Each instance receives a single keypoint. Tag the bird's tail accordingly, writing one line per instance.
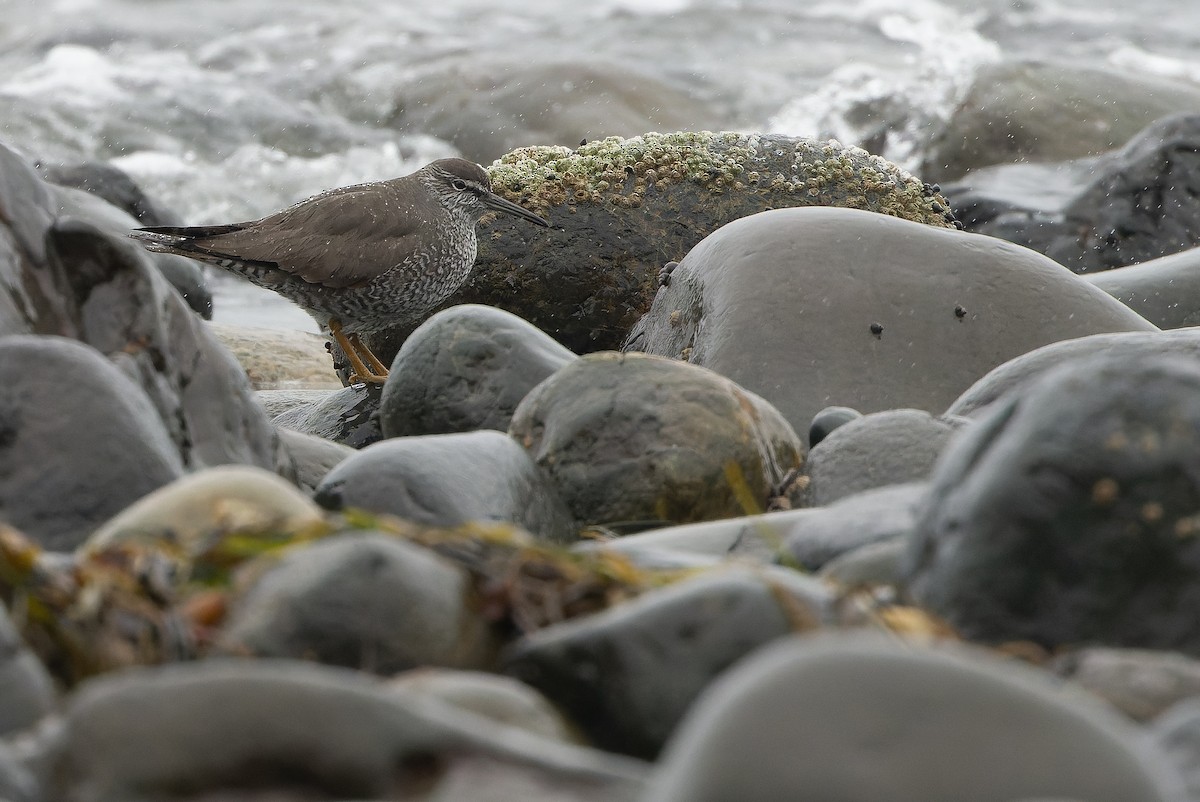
(179, 239)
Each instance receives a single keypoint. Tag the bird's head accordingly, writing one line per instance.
(464, 186)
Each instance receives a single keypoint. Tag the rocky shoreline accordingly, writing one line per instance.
(849, 504)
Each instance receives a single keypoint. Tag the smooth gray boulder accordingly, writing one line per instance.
(812, 307)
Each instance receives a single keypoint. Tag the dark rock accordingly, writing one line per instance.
(448, 480)
(1132, 205)
(116, 187)
(70, 278)
(463, 369)
(828, 419)
(1066, 515)
(880, 449)
(367, 601)
(626, 676)
(783, 302)
(185, 275)
(1016, 375)
(1030, 111)
(1165, 291)
(860, 718)
(486, 107)
(349, 416)
(313, 456)
(629, 438)
(79, 440)
(501, 699)
(1177, 734)
(885, 513)
(1141, 683)
(28, 689)
(616, 206)
(245, 728)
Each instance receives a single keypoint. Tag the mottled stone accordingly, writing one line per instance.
(79, 440)
(615, 207)
(365, 601)
(884, 448)
(465, 368)
(862, 718)
(821, 306)
(250, 728)
(634, 438)
(1067, 513)
(626, 676)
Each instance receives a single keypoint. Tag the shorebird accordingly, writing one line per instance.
(359, 258)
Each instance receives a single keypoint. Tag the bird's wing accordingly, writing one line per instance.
(340, 238)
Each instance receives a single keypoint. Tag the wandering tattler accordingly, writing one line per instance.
(359, 258)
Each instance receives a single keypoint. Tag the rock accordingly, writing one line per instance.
(1165, 291)
(615, 207)
(627, 675)
(367, 601)
(69, 277)
(115, 187)
(1032, 111)
(1177, 734)
(630, 437)
(1066, 514)
(872, 565)
(314, 456)
(486, 107)
(1125, 207)
(349, 416)
(1139, 682)
(279, 359)
(189, 511)
(828, 419)
(17, 783)
(183, 274)
(28, 689)
(882, 514)
(1017, 375)
(465, 368)
(880, 449)
(448, 480)
(756, 537)
(247, 727)
(501, 699)
(79, 440)
(860, 718)
(812, 307)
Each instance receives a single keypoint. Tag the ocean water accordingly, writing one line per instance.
(228, 110)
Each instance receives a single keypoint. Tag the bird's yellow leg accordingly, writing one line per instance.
(359, 371)
(372, 361)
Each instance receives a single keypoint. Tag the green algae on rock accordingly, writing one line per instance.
(620, 208)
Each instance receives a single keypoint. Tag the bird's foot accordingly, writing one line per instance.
(364, 365)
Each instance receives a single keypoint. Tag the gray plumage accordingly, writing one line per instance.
(367, 256)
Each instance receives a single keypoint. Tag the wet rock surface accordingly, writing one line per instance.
(465, 368)
(817, 307)
(801, 692)
(448, 480)
(1066, 514)
(628, 438)
(349, 416)
(627, 677)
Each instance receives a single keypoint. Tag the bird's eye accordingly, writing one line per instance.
(459, 184)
